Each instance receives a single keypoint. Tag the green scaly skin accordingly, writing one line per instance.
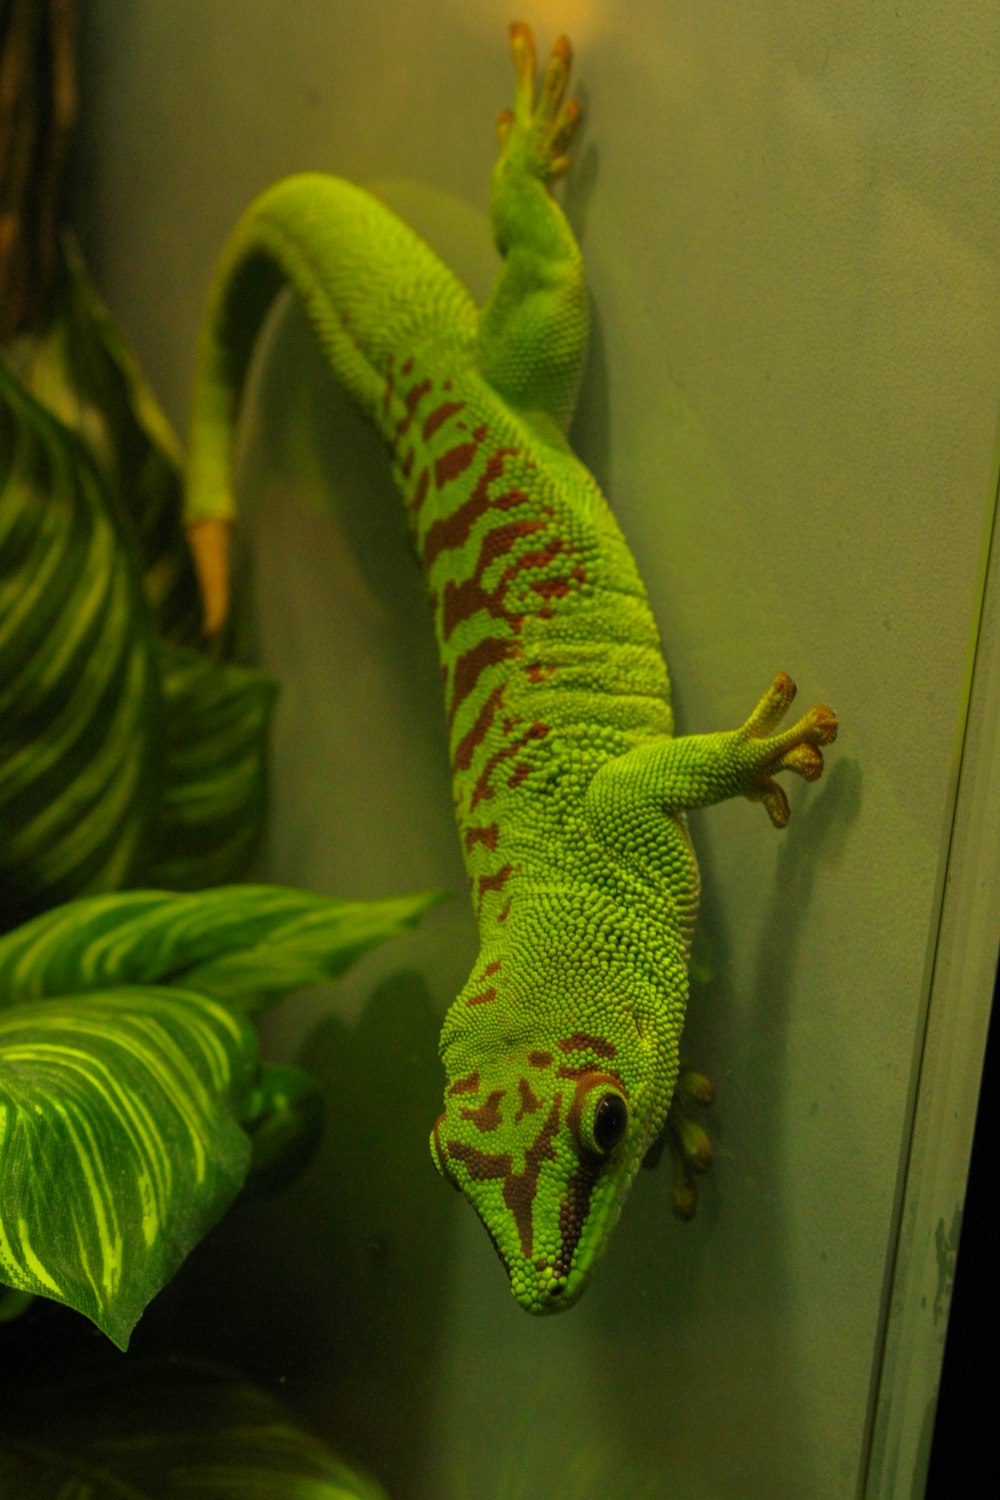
(562, 1050)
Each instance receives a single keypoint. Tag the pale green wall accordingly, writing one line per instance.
(790, 217)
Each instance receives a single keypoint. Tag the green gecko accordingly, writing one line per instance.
(562, 1049)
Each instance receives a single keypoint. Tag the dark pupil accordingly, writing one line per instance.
(610, 1119)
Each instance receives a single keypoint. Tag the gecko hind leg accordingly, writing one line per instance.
(541, 131)
(533, 330)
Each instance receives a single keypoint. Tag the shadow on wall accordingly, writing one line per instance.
(331, 1294)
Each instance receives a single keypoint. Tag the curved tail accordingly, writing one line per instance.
(369, 286)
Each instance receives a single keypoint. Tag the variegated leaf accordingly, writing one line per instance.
(245, 944)
(81, 368)
(168, 1432)
(119, 1142)
(77, 672)
(214, 789)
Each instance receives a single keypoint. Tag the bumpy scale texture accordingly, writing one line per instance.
(562, 1050)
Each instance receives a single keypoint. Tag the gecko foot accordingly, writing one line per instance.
(793, 749)
(539, 131)
(687, 1140)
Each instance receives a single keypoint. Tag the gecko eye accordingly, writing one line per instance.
(610, 1120)
(600, 1116)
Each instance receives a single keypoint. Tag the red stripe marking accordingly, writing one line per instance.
(454, 463)
(584, 1041)
(504, 914)
(487, 836)
(492, 968)
(420, 490)
(484, 997)
(468, 598)
(484, 789)
(439, 416)
(466, 1085)
(536, 1059)
(470, 667)
(468, 744)
(406, 369)
(414, 396)
(496, 881)
(453, 531)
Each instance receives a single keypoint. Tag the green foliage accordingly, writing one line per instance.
(119, 1142)
(126, 756)
(163, 1432)
(245, 944)
(128, 1077)
(78, 675)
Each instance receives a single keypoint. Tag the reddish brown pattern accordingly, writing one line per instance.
(439, 416)
(484, 997)
(454, 530)
(486, 835)
(487, 1116)
(454, 463)
(466, 1085)
(494, 882)
(530, 1101)
(470, 666)
(583, 1041)
(468, 744)
(412, 400)
(484, 789)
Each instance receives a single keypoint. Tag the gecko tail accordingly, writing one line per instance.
(369, 286)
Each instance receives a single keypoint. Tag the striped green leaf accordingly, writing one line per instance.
(123, 760)
(168, 1433)
(78, 679)
(247, 945)
(214, 791)
(82, 369)
(119, 1142)
(127, 1069)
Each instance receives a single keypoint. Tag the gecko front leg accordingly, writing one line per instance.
(671, 776)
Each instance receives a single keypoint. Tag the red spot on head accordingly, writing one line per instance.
(487, 1116)
(584, 1041)
(466, 1085)
(540, 1059)
(530, 1101)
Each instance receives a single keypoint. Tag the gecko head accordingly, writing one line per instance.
(545, 1143)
